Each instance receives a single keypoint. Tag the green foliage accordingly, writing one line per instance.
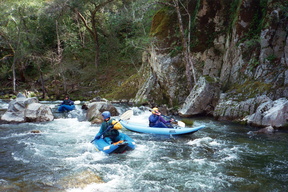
(257, 22)
(254, 62)
(4, 71)
(194, 39)
(271, 58)
(233, 13)
(122, 35)
(126, 90)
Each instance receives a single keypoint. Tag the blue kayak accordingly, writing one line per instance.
(63, 108)
(161, 131)
(127, 145)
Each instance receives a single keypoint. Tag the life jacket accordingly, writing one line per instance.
(116, 124)
(111, 132)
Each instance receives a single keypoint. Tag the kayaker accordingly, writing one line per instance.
(109, 129)
(156, 120)
(66, 105)
(67, 101)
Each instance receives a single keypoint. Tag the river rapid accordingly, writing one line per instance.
(220, 157)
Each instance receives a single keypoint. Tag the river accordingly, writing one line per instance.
(220, 157)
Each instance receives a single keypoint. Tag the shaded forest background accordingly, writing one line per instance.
(82, 48)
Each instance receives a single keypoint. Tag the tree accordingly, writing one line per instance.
(17, 34)
(91, 20)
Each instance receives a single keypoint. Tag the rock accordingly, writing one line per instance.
(24, 109)
(266, 130)
(270, 113)
(35, 131)
(37, 112)
(232, 109)
(84, 106)
(79, 180)
(96, 108)
(202, 99)
(260, 111)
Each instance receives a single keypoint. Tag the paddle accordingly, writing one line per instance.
(125, 116)
(180, 123)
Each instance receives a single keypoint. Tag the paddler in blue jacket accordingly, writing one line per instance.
(67, 101)
(109, 129)
(66, 105)
(156, 120)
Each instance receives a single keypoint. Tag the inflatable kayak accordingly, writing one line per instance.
(119, 147)
(163, 131)
(63, 108)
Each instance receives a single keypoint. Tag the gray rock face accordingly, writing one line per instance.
(260, 111)
(232, 109)
(232, 57)
(24, 109)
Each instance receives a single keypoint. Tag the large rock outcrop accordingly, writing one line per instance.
(24, 109)
(244, 44)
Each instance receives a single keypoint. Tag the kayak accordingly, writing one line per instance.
(63, 108)
(162, 131)
(119, 147)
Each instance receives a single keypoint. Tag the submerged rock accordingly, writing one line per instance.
(35, 131)
(80, 180)
(266, 130)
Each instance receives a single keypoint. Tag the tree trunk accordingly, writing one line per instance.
(93, 29)
(59, 58)
(186, 49)
(15, 53)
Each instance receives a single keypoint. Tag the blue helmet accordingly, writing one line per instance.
(106, 114)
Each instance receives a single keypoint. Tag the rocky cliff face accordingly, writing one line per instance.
(242, 45)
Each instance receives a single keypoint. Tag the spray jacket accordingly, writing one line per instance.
(158, 121)
(67, 102)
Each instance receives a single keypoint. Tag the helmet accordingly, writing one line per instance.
(155, 110)
(106, 114)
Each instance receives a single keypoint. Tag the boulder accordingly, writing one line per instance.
(270, 113)
(37, 112)
(24, 109)
(266, 130)
(95, 110)
(202, 99)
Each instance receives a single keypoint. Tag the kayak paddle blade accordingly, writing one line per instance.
(127, 115)
(181, 123)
